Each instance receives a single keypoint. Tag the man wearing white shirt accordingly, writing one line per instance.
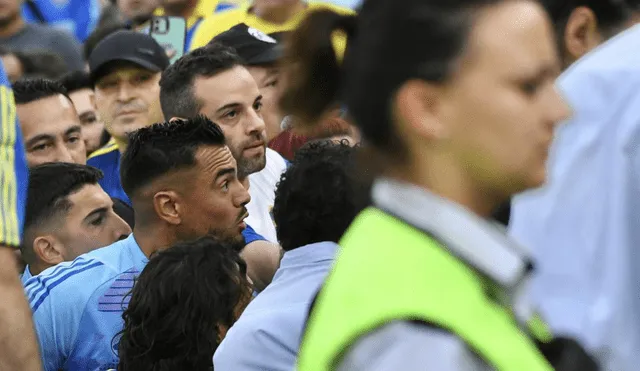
(583, 225)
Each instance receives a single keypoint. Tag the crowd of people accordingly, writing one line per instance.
(405, 185)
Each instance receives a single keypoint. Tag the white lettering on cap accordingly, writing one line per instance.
(261, 36)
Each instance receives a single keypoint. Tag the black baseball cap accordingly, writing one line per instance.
(252, 45)
(128, 46)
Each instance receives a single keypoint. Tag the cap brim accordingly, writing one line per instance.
(100, 69)
(269, 56)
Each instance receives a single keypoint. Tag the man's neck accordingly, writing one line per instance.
(12, 28)
(36, 269)
(279, 14)
(151, 239)
(122, 145)
(184, 11)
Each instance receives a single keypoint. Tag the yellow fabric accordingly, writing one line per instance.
(204, 9)
(109, 147)
(389, 271)
(215, 24)
(9, 225)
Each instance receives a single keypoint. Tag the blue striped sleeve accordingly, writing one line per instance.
(13, 168)
(58, 299)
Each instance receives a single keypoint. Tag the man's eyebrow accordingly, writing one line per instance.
(96, 211)
(228, 106)
(73, 129)
(224, 172)
(38, 138)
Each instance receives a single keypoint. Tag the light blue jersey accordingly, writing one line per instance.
(77, 306)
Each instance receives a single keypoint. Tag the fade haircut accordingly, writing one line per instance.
(165, 147)
(319, 194)
(179, 304)
(29, 90)
(75, 81)
(177, 97)
(50, 186)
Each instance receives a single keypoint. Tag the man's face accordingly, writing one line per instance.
(232, 100)
(128, 98)
(9, 11)
(52, 131)
(267, 80)
(91, 223)
(92, 126)
(214, 199)
(137, 10)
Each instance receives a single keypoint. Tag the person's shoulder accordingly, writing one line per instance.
(107, 153)
(315, 5)
(71, 284)
(275, 161)
(215, 24)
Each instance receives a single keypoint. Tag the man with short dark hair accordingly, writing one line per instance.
(50, 124)
(125, 69)
(68, 214)
(80, 90)
(317, 198)
(183, 184)
(214, 82)
(260, 54)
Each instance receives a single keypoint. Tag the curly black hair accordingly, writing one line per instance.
(319, 195)
(181, 306)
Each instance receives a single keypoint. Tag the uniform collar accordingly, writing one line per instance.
(308, 254)
(478, 242)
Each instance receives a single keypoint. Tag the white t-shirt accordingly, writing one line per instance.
(262, 187)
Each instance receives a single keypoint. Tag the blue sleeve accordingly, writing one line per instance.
(56, 315)
(13, 168)
(79, 17)
(250, 235)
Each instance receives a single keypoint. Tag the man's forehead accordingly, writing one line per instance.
(213, 157)
(122, 68)
(89, 196)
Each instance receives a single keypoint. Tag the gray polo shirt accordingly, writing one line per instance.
(42, 37)
(482, 244)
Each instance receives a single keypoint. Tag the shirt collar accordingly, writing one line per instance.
(204, 9)
(136, 252)
(477, 241)
(312, 253)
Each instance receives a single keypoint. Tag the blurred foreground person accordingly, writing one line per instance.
(183, 185)
(456, 127)
(17, 339)
(68, 215)
(583, 225)
(316, 200)
(182, 305)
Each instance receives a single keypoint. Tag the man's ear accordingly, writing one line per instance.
(168, 207)
(48, 250)
(582, 33)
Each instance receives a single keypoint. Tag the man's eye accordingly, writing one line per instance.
(272, 83)
(98, 221)
(40, 147)
(225, 186)
(231, 114)
(257, 106)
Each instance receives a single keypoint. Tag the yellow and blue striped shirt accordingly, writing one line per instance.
(13, 168)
